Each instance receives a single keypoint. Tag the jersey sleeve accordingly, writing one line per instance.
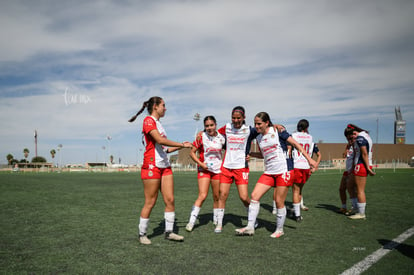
(199, 140)
(148, 125)
(361, 141)
(222, 130)
(315, 148)
(284, 135)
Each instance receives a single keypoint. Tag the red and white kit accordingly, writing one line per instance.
(273, 155)
(306, 141)
(238, 145)
(363, 139)
(210, 148)
(154, 155)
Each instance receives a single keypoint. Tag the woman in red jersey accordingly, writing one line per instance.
(362, 166)
(156, 173)
(276, 172)
(235, 166)
(301, 165)
(209, 145)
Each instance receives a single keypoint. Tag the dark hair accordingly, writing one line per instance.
(241, 110)
(264, 117)
(352, 127)
(149, 104)
(303, 125)
(209, 118)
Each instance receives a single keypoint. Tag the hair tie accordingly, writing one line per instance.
(239, 110)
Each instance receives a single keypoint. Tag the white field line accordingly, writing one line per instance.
(377, 255)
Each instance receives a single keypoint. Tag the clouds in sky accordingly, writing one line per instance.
(77, 70)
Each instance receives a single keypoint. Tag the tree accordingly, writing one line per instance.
(53, 153)
(26, 152)
(111, 158)
(9, 158)
(39, 159)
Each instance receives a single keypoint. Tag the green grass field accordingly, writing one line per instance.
(86, 223)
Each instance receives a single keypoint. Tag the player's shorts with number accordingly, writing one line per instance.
(285, 179)
(360, 170)
(240, 176)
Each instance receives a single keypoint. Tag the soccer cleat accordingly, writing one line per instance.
(298, 218)
(357, 216)
(350, 212)
(173, 237)
(189, 227)
(277, 234)
(218, 229)
(144, 239)
(342, 211)
(245, 231)
(256, 224)
(304, 208)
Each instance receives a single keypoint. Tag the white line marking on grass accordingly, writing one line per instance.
(377, 255)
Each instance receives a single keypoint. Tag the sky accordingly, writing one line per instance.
(76, 71)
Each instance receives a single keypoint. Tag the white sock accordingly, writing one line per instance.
(280, 218)
(194, 214)
(296, 207)
(220, 216)
(361, 207)
(274, 205)
(169, 221)
(354, 203)
(143, 226)
(215, 214)
(301, 201)
(254, 208)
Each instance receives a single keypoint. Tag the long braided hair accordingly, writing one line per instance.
(149, 104)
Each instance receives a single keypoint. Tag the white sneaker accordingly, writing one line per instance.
(189, 227)
(357, 216)
(245, 231)
(144, 239)
(173, 237)
(218, 229)
(304, 208)
(277, 234)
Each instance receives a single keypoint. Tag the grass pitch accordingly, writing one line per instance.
(87, 223)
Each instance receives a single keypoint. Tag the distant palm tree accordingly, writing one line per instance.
(111, 158)
(9, 158)
(26, 153)
(53, 153)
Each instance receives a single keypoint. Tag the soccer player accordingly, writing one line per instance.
(156, 173)
(235, 166)
(347, 180)
(362, 166)
(275, 174)
(287, 149)
(209, 145)
(301, 165)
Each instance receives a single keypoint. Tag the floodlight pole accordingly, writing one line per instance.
(196, 118)
(35, 138)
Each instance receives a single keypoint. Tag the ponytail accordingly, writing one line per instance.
(149, 104)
